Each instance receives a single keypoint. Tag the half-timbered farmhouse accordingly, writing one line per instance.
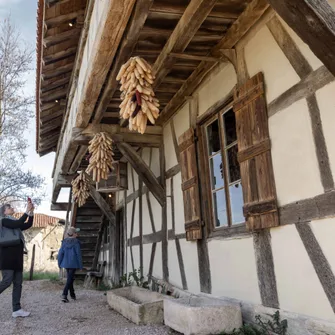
(231, 192)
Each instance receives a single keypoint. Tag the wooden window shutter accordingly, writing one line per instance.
(190, 186)
(254, 155)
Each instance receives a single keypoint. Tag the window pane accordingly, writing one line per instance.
(216, 172)
(233, 164)
(220, 208)
(213, 138)
(236, 203)
(230, 127)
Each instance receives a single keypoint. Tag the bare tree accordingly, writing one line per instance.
(16, 110)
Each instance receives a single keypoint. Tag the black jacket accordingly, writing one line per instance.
(11, 258)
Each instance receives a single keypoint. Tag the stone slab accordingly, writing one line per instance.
(138, 305)
(201, 315)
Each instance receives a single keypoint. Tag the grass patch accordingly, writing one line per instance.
(53, 276)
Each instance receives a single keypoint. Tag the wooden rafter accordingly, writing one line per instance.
(54, 57)
(50, 105)
(140, 14)
(54, 94)
(56, 113)
(51, 125)
(142, 169)
(179, 9)
(313, 21)
(193, 17)
(57, 72)
(57, 20)
(48, 85)
(240, 27)
(71, 34)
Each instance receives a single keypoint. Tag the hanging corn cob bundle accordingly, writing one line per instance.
(101, 157)
(80, 188)
(139, 103)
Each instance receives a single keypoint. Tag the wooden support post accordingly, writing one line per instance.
(31, 273)
(144, 172)
(165, 251)
(140, 203)
(98, 245)
(103, 205)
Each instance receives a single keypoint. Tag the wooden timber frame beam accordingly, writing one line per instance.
(144, 172)
(188, 25)
(239, 28)
(114, 20)
(152, 137)
(314, 22)
(102, 204)
(119, 13)
(140, 14)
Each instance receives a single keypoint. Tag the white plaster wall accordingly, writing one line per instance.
(304, 48)
(262, 53)
(217, 86)
(158, 268)
(170, 152)
(157, 212)
(178, 205)
(129, 213)
(233, 269)
(190, 254)
(146, 155)
(146, 217)
(299, 288)
(326, 101)
(169, 204)
(155, 167)
(294, 159)
(136, 231)
(136, 255)
(174, 270)
(181, 120)
(130, 179)
(324, 231)
(146, 258)
(129, 266)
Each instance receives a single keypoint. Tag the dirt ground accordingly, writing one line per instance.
(90, 314)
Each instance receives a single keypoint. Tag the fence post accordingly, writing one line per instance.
(32, 264)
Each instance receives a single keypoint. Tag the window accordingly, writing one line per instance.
(224, 170)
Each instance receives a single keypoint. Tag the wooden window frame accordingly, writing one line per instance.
(205, 181)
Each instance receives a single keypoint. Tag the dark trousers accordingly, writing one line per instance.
(69, 283)
(15, 277)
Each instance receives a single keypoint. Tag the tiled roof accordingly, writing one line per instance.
(41, 220)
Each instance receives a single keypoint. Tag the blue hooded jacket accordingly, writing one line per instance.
(69, 255)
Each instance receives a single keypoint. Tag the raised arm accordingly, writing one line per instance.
(28, 224)
(20, 223)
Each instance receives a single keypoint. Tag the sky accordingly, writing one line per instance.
(23, 15)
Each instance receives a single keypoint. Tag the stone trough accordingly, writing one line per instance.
(139, 305)
(201, 315)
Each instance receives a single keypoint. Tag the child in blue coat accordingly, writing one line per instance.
(69, 258)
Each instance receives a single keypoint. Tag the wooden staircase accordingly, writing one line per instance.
(88, 219)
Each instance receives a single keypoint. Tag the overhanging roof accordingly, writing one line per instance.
(59, 25)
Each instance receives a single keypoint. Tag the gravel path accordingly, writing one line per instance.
(90, 314)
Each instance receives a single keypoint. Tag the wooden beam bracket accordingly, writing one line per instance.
(143, 170)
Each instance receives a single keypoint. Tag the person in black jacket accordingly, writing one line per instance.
(11, 258)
